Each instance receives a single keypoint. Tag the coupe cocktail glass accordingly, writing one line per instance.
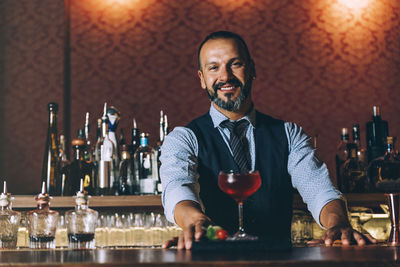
(240, 186)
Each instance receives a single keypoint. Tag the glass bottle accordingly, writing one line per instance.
(104, 157)
(42, 222)
(146, 173)
(354, 173)
(135, 145)
(163, 133)
(51, 162)
(88, 153)
(81, 222)
(361, 151)
(113, 119)
(64, 163)
(341, 156)
(384, 172)
(376, 132)
(79, 169)
(9, 221)
(125, 172)
(61, 233)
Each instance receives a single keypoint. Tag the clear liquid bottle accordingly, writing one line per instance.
(88, 153)
(361, 151)
(113, 120)
(81, 222)
(9, 221)
(125, 172)
(376, 132)
(51, 173)
(341, 156)
(146, 172)
(104, 158)
(42, 222)
(135, 145)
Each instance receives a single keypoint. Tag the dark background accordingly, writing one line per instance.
(320, 63)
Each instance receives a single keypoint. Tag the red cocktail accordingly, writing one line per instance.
(240, 186)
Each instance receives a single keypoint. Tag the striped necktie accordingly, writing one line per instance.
(238, 143)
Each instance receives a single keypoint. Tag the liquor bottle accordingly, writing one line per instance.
(51, 162)
(104, 157)
(384, 171)
(145, 161)
(113, 119)
(135, 145)
(89, 149)
(125, 172)
(361, 151)
(42, 222)
(341, 156)
(79, 169)
(64, 163)
(81, 222)
(163, 133)
(9, 221)
(376, 132)
(354, 173)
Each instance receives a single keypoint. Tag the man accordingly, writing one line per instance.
(192, 157)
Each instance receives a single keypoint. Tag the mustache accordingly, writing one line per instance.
(233, 82)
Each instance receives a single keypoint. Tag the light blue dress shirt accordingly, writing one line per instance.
(179, 174)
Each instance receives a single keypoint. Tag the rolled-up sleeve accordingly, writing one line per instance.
(178, 170)
(309, 174)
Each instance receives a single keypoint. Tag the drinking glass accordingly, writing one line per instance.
(240, 186)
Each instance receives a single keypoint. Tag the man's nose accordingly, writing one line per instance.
(225, 74)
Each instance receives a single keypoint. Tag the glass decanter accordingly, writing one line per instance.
(81, 222)
(42, 222)
(9, 221)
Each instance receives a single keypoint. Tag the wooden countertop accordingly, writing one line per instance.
(372, 255)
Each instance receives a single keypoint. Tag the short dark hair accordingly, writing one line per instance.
(224, 35)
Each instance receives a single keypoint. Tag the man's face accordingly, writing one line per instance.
(225, 73)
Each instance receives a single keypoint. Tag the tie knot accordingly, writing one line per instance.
(238, 127)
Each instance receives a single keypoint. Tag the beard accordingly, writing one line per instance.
(230, 105)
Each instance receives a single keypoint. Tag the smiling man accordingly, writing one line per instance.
(193, 156)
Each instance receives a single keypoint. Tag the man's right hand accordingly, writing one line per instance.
(192, 220)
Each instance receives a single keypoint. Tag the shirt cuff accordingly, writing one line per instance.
(176, 195)
(320, 201)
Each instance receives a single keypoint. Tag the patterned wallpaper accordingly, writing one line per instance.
(320, 63)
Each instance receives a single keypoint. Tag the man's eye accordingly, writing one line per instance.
(212, 68)
(237, 64)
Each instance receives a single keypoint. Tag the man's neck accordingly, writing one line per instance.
(236, 115)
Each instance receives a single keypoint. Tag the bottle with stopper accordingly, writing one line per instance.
(42, 222)
(81, 222)
(9, 221)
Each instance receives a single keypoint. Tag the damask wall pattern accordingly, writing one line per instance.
(320, 63)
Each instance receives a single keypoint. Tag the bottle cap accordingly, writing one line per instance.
(81, 197)
(376, 111)
(78, 142)
(390, 140)
(43, 197)
(52, 106)
(5, 197)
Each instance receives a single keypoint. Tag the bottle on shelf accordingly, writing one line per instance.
(81, 222)
(341, 156)
(42, 222)
(88, 153)
(113, 119)
(125, 172)
(146, 172)
(354, 173)
(134, 146)
(361, 151)
(376, 132)
(384, 171)
(9, 221)
(104, 158)
(64, 163)
(51, 163)
(162, 130)
(79, 169)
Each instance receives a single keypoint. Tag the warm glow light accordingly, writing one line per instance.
(355, 4)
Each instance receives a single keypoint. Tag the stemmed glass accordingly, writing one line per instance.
(240, 186)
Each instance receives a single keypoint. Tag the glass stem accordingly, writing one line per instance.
(240, 206)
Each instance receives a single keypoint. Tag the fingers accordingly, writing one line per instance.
(199, 230)
(347, 236)
(171, 242)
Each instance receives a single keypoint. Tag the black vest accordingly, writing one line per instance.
(268, 212)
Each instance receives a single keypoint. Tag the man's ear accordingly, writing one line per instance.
(202, 82)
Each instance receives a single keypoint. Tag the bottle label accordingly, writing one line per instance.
(147, 186)
(106, 151)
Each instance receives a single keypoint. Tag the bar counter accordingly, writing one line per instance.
(372, 255)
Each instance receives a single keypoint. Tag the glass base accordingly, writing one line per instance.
(42, 242)
(241, 236)
(6, 243)
(81, 241)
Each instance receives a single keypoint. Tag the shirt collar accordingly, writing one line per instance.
(217, 117)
